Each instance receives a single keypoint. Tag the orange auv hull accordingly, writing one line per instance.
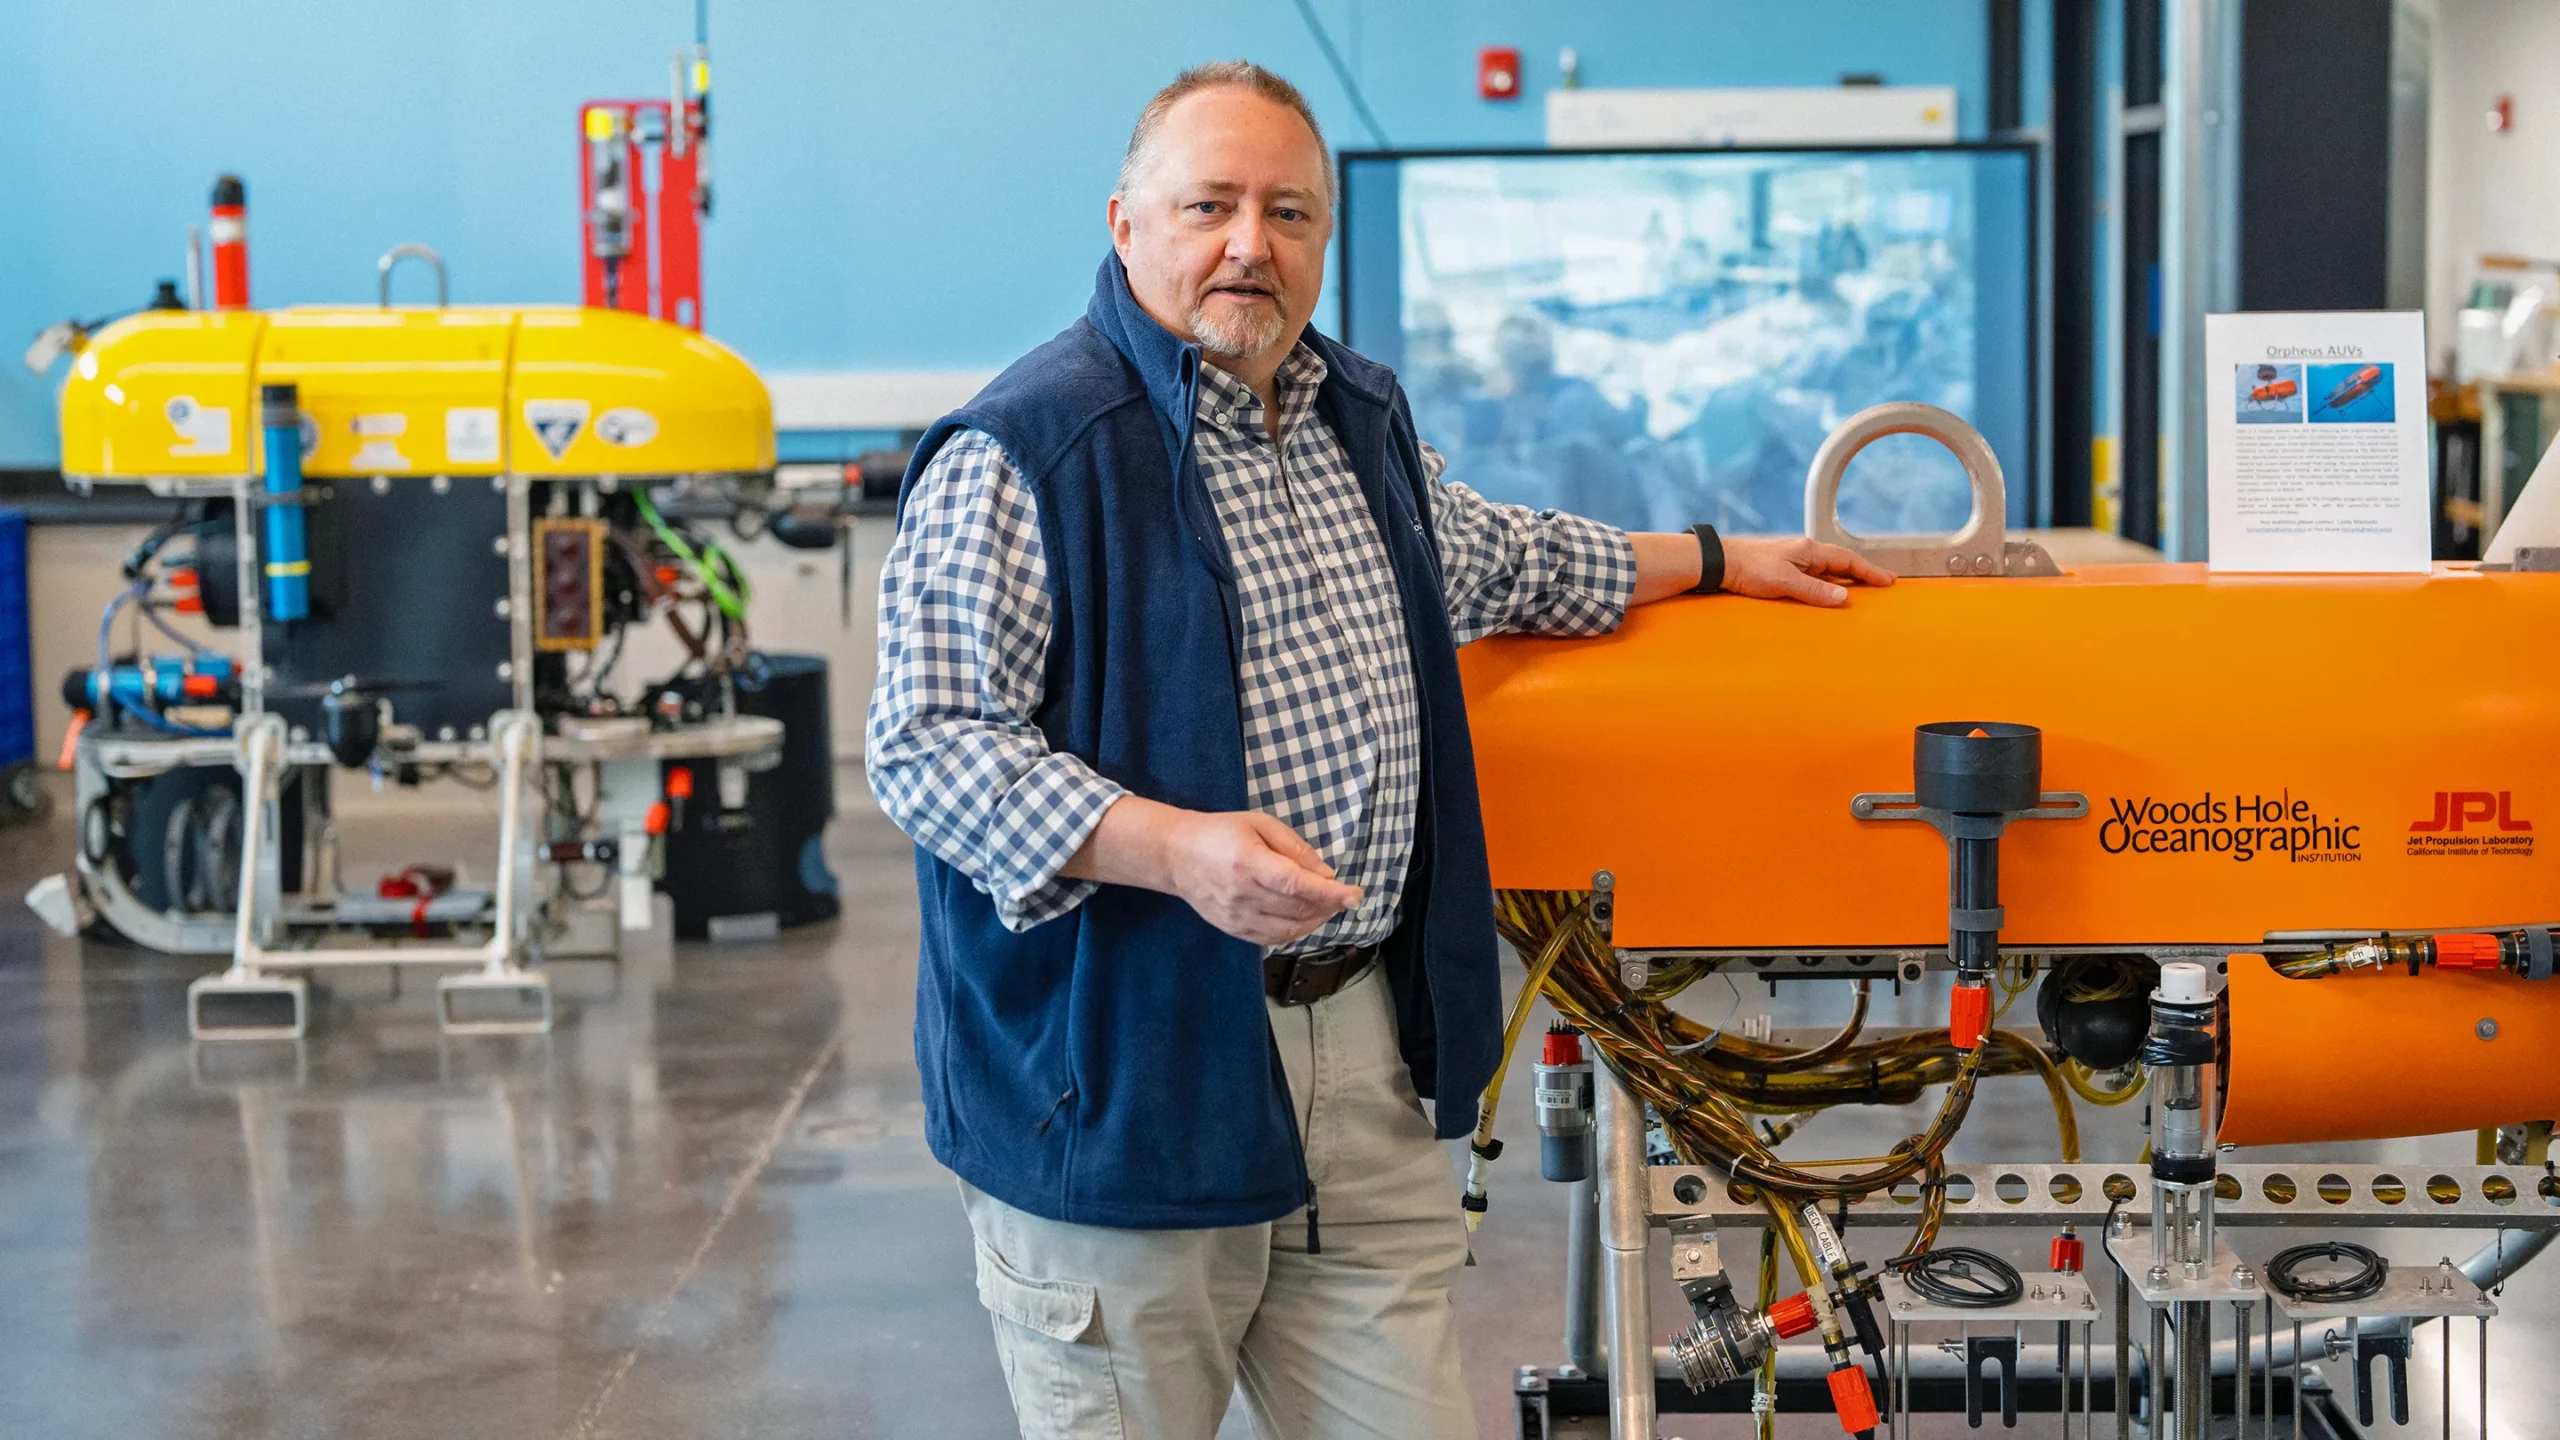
(2256, 751)
(2417, 1040)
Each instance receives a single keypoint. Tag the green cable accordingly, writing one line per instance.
(731, 602)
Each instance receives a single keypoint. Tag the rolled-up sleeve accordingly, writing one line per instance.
(1511, 568)
(965, 623)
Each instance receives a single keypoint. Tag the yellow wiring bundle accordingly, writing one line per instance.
(1706, 1087)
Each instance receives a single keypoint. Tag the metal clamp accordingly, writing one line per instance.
(1982, 547)
(413, 251)
(1904, 805)
(1980, 1353)
(2392, 1349)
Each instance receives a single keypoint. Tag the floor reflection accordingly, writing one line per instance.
(703, 1206)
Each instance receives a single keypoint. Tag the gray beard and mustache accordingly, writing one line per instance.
(1240, 335)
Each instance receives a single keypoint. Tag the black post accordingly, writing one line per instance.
(2075, 257)
(2008, 62)
(2138, 446)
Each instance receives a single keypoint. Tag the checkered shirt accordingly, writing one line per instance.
(1332, 726)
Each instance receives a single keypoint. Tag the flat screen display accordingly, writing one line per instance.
(1659, 338)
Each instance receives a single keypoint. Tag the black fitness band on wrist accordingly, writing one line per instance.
(1710, 560)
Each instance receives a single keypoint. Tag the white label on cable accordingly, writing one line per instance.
(471, 435)
(202, 429)
(377, 442)
(626, 426)
(555, 423)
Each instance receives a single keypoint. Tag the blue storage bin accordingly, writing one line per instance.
(17, 679)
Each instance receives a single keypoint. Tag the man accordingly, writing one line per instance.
(1169, 701)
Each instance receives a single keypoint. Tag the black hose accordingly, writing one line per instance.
(2284, 1272)
(1959, 1277)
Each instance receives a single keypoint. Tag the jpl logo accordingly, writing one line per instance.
(2458, 808)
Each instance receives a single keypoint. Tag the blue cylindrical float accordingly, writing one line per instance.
(288, 562)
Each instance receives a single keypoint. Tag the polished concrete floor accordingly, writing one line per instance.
(702, 1207)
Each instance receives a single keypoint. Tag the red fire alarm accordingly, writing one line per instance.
(1498, 72)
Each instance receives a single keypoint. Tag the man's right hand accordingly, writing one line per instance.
(1244, 871)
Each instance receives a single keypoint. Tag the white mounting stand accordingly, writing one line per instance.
(495, 966)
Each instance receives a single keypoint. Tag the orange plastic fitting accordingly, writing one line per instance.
(1562, 1047)
(1855, 1403)
(2467, 952)
(1793, 1316)
(2068, 1254)
(1968, 1015)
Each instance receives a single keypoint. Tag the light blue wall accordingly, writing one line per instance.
(915, 185)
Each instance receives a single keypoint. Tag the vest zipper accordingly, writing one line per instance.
(1297, 1141)
(1054, 1107)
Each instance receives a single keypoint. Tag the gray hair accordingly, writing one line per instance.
(1241, 73)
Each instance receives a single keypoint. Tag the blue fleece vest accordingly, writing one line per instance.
(1114, 1066)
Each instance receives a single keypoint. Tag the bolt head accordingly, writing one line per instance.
(2487, 1029)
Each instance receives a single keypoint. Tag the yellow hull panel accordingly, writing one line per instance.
(545, 391)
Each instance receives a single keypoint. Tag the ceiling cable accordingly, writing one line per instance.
(1342, 72)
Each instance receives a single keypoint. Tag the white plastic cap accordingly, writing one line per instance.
(2183, 982)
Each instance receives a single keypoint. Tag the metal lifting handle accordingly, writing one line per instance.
(1982, 547)
(398, 253)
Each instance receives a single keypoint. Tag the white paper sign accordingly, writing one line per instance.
(2316, 428)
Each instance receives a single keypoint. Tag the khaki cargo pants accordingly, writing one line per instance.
(1145, 1334)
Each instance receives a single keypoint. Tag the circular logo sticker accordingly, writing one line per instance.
(626, 426)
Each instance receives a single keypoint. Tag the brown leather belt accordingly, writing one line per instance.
(1305, 979)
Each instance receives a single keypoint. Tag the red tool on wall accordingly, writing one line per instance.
(644, 189)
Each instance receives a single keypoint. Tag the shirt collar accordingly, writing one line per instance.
(1227, 403)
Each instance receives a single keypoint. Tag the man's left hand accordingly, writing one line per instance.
(1796, 569)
